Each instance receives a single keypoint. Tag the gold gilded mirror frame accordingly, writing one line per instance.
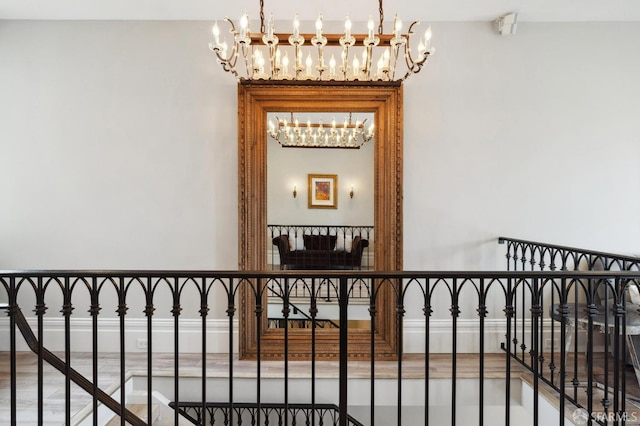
(255, 100)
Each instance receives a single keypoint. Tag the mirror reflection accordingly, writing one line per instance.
(320, 209)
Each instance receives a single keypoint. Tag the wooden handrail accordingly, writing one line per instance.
(74, 375)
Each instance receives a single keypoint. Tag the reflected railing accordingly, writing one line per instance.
(299, 294)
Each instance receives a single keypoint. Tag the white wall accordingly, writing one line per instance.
(118, 145)
(533, 136)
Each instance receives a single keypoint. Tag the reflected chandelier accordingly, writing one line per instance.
(268, 55)
(293, 134)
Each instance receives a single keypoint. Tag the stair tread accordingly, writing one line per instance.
(139, 410)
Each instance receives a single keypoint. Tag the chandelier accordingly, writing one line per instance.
(294, 134)
(267, 55)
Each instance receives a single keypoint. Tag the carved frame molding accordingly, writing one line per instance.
(255, 100)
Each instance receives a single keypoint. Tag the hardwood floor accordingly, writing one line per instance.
(217, 365)
(190, 365)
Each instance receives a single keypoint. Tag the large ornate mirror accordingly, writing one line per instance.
(257, 101)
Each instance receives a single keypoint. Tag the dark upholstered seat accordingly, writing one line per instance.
(320, 252)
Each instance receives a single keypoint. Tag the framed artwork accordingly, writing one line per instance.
(323, 191)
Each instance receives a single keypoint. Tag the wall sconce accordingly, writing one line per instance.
(295, 192)
(351, 193)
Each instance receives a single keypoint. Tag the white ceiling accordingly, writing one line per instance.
(359, 10)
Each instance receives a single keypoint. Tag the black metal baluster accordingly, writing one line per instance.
(563, 312)
(552, 365)
(372, 355)
(591, 312)
(285, 314)
(606, 404)
(399, 336)
(523, 316)
(175, 311)
(121, 311)
(536, 313)
(343, 356)
(204, 312)
(258, 312)
(231, 309)
(482, 313)
(13, 307)
(427, 311)
(66, 311)
(509, 313)
(148, 311)
(40, 311)
(313, 311)
(575, 381)
(94, 310)
(455, 312)
(541, 347)
(619, 317)
(624, 349)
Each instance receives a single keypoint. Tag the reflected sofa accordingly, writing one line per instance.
(320, 252)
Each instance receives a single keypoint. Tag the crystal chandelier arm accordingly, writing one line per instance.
(229, 62)
(413, 66)
(393, 61)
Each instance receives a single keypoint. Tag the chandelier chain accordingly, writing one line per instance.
(262, 27)
(380, 10)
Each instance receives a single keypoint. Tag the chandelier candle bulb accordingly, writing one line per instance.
(332, 67)
(216, 33)
(270, 28)
(319, 27)
(244, 24)
(285, 65)
(370, 28)
(347, 27)
(397, 25)
(296, 27)
(309, 63)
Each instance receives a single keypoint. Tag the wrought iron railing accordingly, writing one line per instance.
(586, 314)
(276, 414)
(547, 321)
(531, 255)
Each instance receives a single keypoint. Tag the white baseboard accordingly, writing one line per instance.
(468, 335)
(190, 341)
(190, 332)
